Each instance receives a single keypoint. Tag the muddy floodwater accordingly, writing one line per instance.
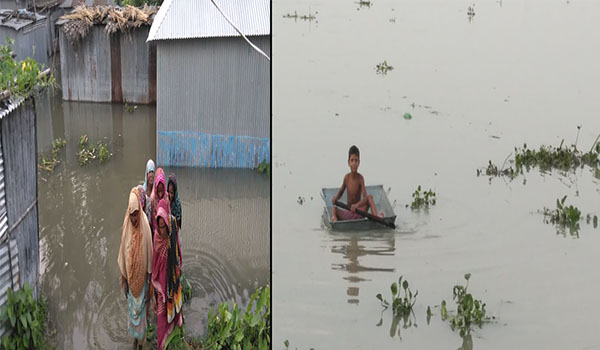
(476, 87)
(224, 235)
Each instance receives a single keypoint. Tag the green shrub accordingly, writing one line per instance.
(24, 318)
(233, 330)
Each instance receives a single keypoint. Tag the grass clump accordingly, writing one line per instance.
(469, 311)
(422, 199)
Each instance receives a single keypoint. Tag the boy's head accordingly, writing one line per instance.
(353, 158)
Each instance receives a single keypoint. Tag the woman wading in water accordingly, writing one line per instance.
(166, 275)
(135, 263)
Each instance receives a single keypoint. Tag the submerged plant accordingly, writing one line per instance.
(469, 311)
(383, 68)
(422, 199)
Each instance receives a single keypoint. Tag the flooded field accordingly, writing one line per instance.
(476, 86)
(224, 235)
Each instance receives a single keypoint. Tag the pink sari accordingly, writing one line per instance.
(159, 279)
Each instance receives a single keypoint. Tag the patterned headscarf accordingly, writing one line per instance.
(149, 168)
(175, 204)
(142, 193)
(159, 178)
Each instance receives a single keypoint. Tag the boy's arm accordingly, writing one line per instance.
(340, 192)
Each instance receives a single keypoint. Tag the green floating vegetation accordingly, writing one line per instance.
(469, 311)
(567, 216)
(422, 199)
(130, 108)
(264, 167)
(20, 78)
(383, 68)
(401, 306)
(88, 151)
(547, 158)
(236, 330)
(24, 318)
(49, 161)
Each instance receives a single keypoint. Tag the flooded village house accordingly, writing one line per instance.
(213, 88)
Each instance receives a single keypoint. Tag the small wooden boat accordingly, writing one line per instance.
(381, 201)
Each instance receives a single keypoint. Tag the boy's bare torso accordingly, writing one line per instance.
(354, 183)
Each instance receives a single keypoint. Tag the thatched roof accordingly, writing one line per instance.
(77, 24)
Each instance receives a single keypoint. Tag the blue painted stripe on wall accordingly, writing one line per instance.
(194, 149)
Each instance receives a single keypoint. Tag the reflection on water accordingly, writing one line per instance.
(354, 247)
(225, 229)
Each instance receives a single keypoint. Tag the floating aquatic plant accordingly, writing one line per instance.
(49, 161)
(88, 151)
(383, 68)
(401, 306)
(547, 158)
(567, 216)
(469, 311)
(422, 199)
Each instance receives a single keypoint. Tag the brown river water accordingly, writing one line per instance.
(516, 72)
(224, 235)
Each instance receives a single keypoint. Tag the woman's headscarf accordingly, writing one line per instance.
(135, 252)
(149, 168)
(175, 204)
(142, 193)
(159, 177)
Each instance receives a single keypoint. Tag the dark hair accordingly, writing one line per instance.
(353, 150)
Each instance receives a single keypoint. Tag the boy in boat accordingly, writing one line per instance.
(355, 183)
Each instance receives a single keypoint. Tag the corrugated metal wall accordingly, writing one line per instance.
(104, 68)
(20, 175)
(213, 102)
(9, 272)
(32, 41)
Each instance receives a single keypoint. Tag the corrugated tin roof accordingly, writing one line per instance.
(18, 24)
(12, 105)
(186, 19)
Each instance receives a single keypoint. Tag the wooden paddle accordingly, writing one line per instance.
(367, 215)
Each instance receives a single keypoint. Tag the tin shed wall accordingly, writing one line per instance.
(20, 176)
(213, 102)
